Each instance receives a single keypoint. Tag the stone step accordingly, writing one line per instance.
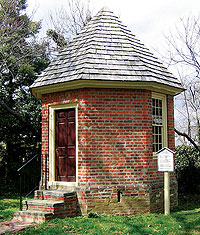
(33, 216)
(54, 195)
(54, 207)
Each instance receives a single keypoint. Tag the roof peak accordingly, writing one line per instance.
(105, 50)
(105, 8)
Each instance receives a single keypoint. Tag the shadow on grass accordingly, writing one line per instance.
(189, 221)
(187, 202)
(187, 214)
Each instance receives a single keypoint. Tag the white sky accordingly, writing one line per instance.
(149, 20)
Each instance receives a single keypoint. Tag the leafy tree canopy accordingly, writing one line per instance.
(22, 58)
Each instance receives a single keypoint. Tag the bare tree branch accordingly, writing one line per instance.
(188, 138)
(183, 53)
(69, 21)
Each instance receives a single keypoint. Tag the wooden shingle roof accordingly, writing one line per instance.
(105, 50)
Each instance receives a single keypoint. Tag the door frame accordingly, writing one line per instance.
(52, 183)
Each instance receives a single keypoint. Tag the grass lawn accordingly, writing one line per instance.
(8, 204)
(185, 219)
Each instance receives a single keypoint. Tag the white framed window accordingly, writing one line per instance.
(159, 121)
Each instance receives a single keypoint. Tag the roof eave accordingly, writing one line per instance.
(78, 84)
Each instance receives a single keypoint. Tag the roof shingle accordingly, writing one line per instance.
(106, 50)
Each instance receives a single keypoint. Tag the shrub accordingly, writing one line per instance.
(187, 165)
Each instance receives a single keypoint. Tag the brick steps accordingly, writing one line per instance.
(33, 216)
(47, 205)
(42, 205)
(52, 194)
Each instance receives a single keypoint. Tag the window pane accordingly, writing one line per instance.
(153, 111)
(160, 139)
(160, 103)
(153, 102)
(157, 123)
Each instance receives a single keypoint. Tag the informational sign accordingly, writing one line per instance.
(165, 160)
(166, 164)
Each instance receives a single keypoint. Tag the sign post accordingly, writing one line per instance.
(166, 193)
(166, 165)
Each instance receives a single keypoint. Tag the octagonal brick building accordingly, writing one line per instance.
(107, 107)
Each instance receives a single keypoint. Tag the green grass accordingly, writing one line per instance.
(184, 219)
(8, 204)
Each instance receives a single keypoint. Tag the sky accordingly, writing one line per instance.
(149, 20)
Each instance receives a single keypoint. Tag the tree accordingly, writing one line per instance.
(22, 58)
(184, 53)
(187, 164)
(67, 22)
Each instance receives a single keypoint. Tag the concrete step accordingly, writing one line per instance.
(54, 195)
(54, 207)
(33, 216)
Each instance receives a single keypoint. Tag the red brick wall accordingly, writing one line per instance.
(170, 117)
(114, 136)
(115, 144)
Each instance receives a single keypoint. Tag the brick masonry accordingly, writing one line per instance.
(117, 172)
(67, 207)
(48, 205)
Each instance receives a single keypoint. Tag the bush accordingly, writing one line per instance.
(187, 165)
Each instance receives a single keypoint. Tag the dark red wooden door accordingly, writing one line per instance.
(65, 145)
